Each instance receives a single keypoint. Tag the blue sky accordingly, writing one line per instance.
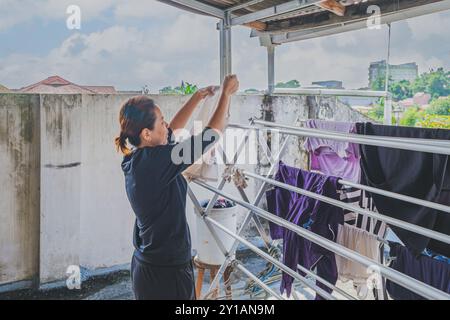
(131, 43)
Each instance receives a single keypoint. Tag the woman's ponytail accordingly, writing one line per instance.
(121, 144)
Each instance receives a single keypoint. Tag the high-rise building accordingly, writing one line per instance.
(405, 71)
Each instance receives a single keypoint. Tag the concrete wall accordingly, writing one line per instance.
(64, 201)
(19, 181)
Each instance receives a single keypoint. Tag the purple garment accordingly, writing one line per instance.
(331, 157)
(319, 217)
(425, 269)
(280, 200)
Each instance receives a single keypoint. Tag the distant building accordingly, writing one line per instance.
(406, 103)
(422, 98)
(4, 89)
(406, 71)
(57, 85)
(329, 84)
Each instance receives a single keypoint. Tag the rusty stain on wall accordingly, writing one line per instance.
(58, 122)
(20, 142)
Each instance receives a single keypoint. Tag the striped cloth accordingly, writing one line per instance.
(362, 199)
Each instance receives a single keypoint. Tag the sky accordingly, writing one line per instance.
(132, 43)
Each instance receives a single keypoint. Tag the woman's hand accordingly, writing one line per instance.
(218, 120)
(230, 84)
(204, 92)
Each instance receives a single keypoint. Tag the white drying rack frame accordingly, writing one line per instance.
(254, 212)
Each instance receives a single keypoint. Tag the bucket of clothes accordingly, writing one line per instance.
(417, 174)
(223, 212)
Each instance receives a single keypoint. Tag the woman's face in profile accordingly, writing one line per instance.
(159, 135)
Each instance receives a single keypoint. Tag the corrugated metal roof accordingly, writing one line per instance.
(315, 18)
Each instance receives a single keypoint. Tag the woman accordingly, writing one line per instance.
(161, 267)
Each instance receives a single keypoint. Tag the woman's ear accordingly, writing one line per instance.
(146, 135)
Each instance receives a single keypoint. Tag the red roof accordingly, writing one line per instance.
(56, 84)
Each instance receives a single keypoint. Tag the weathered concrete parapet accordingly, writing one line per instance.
(63, 201)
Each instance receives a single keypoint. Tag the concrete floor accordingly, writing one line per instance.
(117, 286)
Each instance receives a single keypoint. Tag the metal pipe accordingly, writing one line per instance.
(270, 69)
(280, 265)
(331, 92)
(398, 277)
(388, 101)
(421, 141)
(244, 270)
(398, 196)
(355, 138)
(395, 222)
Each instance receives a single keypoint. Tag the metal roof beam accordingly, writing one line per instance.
(198, 6)
(243, 5)
(350, 25)
(274, 11)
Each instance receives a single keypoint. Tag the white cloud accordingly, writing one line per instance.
(184, 46)
(144, 9)
(433, 24)
(13, 12)
(125, 57)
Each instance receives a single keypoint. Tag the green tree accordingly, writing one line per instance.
(439, 107)
(184, 88)
(377, 112)
(401, 90)
(434, 82)
(411, 116)
(379, 83)
(289, 84)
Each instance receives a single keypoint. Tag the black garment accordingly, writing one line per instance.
(421, 175)
(162, 282)
(157, 194)
(425, 269)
